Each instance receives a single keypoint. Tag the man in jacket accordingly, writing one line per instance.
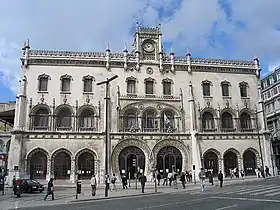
(50, 189)
(93, 185)
(142, 180)
(221, 178)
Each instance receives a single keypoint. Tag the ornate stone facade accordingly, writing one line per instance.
(160, 104)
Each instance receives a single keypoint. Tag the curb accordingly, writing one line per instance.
(115, 197)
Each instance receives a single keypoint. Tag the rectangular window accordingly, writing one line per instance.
(149, 87)
(278, 77)
(87, 85)
(206, 89)
(166, 88)
(243, 91)
(225, 89)
(271, 92)
(65, 84)
(275, 90)
(43, 84)
(131, 87)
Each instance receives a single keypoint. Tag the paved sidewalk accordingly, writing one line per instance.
(67, 195)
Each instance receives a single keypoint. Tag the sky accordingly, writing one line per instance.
(227, 29)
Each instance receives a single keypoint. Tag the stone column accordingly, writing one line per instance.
(221, 165)
(218, 124)
(49, 174)
(73, 171)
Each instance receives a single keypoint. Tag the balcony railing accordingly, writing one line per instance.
(149, 130)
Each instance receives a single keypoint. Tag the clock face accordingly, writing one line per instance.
(148, 47)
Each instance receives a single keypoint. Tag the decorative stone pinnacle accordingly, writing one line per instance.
(188, 52)
(108, 47)
(125, 47)
(171, 50)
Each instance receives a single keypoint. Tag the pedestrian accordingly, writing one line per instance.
(170, 176)
(50, 189)
(158, 178)
(164, 178)
(183, 180)
(211, 180)
(124, 181)
(175, 184)
(142, 180)
(93, 184)
(221, 178)
(202, 176)
(242, 174)
(267, 171)
(113, 181)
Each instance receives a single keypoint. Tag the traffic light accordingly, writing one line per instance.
(134, 162)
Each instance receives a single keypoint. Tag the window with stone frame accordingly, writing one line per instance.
(225, 88)
(245, 121)
(88, 81)
(206, 88)
(149, 86)
(167, 86)
(65, 83)
(43, 83)
(243, 87)
(131, 85)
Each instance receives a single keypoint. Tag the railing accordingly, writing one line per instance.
(71, 123)
(149, 130)
(228, 130)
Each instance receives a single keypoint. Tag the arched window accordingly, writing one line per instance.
(64, 119)
(208, 123)
(41, 119)
(149, 123)
(227, 122)
(245, 122)
(86, 120)
(130, 121)
(167, 122)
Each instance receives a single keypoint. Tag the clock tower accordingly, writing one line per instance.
(148, 43)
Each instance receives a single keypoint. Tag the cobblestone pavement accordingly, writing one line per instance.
(67, 194)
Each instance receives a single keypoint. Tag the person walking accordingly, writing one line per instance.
(158, 178)
(202, 176)
(221, 178)
(183, 180)
(170, 178)
(124, 181)
(164, 179)
(93, 184)
(267, 171)
(50, 189)
(142, 180)
(113, 181)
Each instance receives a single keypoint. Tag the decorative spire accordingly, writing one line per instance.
(108, 47)
(171, 50)
(27, 44)
(137, 26)
(188, 52)
(125, 47)
(191, 91)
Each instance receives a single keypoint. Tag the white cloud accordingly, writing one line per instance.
(88, 25)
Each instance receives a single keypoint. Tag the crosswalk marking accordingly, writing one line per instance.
(255, 190)
(264, 192)
(261, 190)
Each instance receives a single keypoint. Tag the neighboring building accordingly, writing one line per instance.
(271, 95)
(166, 112)
(7, 114)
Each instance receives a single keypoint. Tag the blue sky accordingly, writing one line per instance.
(229, 29)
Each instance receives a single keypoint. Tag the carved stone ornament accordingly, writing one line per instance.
(149, 70)
(227, 104)
(225, 82)
(243, 84)
(44, 76)
(167, 80)
(159, 107)
(65, 99)
(88, 99)
(131, 79)
(208, 104)
(206, 82)
(246, 104)
(141, 106)
(42, 99)
(88, 77)
(66, 76)
(150, 79)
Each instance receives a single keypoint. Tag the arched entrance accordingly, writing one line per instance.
(249, 162)
(131, 159)
(86, 165)
(169, 159)
(62, 165)
(211, 163)
(230, 162)
(38, 165)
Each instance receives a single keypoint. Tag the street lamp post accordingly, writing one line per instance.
(107, 133)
